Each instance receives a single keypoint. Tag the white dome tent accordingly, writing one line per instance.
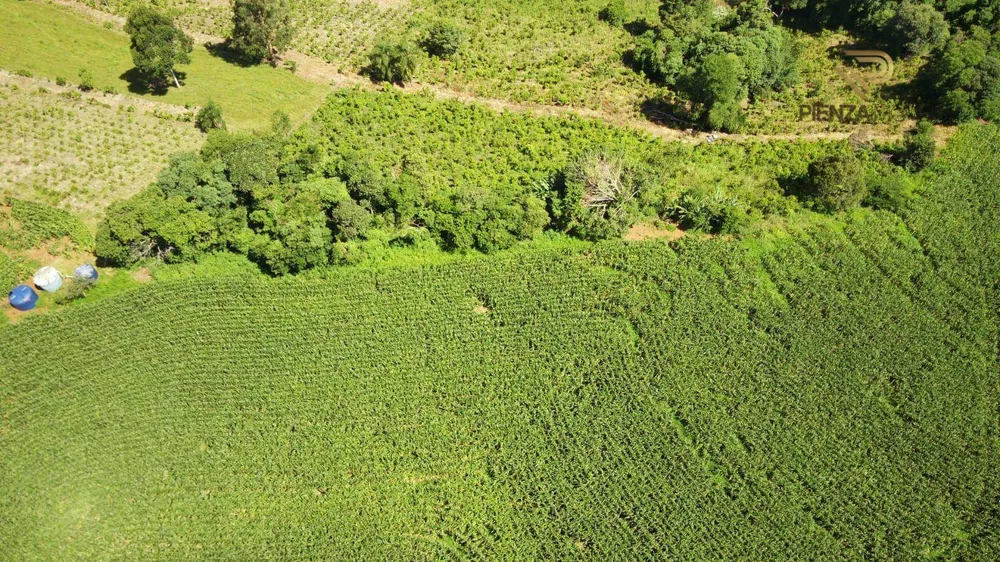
(48, 279)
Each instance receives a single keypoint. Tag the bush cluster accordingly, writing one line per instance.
(443, 39)
(393, 62)
(718, 59)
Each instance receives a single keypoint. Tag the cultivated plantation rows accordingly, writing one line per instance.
(12, 271)
(827, 391)
(556, 53)
(80, 153)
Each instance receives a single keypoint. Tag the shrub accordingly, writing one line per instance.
(74, 289)
(86, 80)
(890, 189)
(281, 123)
(598, 194)
(919, 147)
(713, 213)
(209, 117)
(837, 183)
(23, 72)
(615, 13)
(292, 66)
(60, 81)
(443, 39)
(392, 62)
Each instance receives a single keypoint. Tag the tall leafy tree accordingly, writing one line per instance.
(262, 29)
(157, 44)
(717, 87)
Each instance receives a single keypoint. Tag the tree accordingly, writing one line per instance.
(262, 29)
(716, 85)
(199, 181)
(443, 39)
(151, 226)
(615, 13)
(157, 44)
(837, 183)
(392, 62)
(920, 146)
(210, 117)
(918, 29)
(251, 162)
(293, 234)
(964, 81)
(350, 220)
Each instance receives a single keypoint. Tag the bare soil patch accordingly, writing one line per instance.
(142, 275)
(643, 231)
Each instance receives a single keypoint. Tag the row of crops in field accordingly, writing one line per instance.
(12, 272)
(80, 154)
(25, 224)
(825, 392)
(554, 52)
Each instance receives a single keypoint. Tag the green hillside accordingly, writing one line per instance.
(830, 392)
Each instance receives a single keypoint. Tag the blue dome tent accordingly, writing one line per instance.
(23, 297)
(85, 272)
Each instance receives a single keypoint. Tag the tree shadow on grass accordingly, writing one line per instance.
(638, 27)
(140, 84)
(225, 52)
(795, 185)
(667, 114)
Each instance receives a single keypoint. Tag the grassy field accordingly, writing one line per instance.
(830, 392)
(80, 153)
(51, 41)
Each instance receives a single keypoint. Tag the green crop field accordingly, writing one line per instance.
(80, 153)
(828, 391)
(434, 316)
(52, 42)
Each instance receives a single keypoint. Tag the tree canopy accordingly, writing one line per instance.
(262, 29)
(157, 44)
(705, 53)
